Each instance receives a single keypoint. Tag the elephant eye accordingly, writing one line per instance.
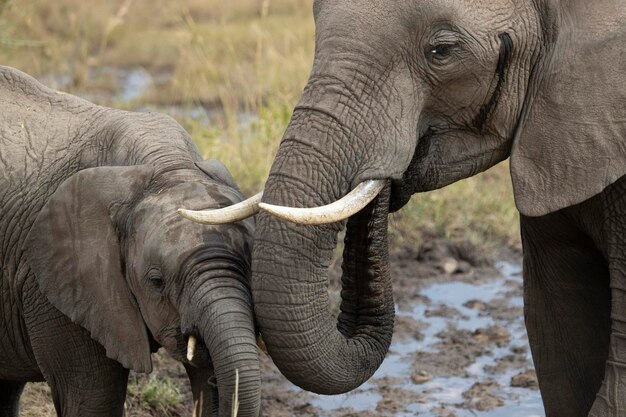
(442, 46)
(441, 51)
(155, 280)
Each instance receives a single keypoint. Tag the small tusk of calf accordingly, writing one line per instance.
(191, 348)
(235, 402)
(352, 203)
(234, 213)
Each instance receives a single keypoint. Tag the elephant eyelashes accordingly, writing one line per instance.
(442, 46)
(155, 280)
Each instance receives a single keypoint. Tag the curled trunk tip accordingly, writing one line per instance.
(308, 345)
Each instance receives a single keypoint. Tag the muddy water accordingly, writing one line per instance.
(464, 345)
(118, 84)
(111, 86)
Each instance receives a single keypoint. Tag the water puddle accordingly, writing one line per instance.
(111, 84)
(114, 85)
(446, 392)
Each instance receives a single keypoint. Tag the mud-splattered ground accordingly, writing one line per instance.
(459, 349)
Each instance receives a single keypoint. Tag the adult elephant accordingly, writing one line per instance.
(98, 270)
(416, 95)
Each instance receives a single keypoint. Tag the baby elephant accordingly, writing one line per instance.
(98, 270)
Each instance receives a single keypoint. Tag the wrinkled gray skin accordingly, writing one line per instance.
(98, 270)
(423, 93)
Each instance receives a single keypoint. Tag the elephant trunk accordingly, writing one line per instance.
(290, 264)
(218, 310)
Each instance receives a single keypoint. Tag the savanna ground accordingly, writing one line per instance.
(230, 72)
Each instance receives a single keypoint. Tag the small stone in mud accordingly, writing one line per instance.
(443, 411)
(306, 410)
(421, 377)
(492, 334)
(503, 364)
(449, 265)
(438, 250)
(482, 397)
(396, 399)
(456, 350)
(442, 311)
(527, 379)
(475, 305)
(519, 349)
(349, 412)
(387, 381)
(408, 328)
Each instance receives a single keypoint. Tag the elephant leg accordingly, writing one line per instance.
(567, 312)
(83, 381)
(10, 397)
(611, 400)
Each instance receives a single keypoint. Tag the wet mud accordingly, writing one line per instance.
(459, 348)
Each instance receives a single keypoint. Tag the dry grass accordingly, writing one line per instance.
(247, 58)
(479, 209)
(236, 54)
(36, 401)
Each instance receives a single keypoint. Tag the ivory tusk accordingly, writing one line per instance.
(341, 209)
(235, 402)
(234, 213)
(191, 347)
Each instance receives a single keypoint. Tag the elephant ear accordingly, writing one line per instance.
(571, 143)
(74, 251)
(216, 170)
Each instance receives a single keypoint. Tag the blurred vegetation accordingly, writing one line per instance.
(244, 64)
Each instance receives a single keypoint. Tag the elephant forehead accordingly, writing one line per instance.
(351, 14)
(207, 193)
(174, 245)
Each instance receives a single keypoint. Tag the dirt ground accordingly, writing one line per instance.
(459, 349)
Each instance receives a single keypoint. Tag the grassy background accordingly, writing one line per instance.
(230, 72)
(244, 63)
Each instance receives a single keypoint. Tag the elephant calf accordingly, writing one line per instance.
(97, 268)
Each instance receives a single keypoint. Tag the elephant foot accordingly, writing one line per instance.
(611, 400)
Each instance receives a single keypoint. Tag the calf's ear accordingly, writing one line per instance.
(73, 248)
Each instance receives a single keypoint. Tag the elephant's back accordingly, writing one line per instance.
(37, 125)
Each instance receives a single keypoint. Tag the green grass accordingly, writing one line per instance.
(246, 59)
(157, 393)
(479, 209)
